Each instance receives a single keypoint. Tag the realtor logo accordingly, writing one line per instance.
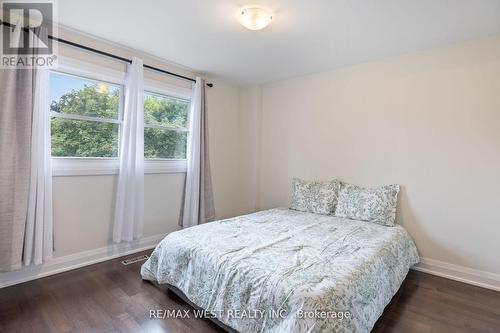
(25, 34)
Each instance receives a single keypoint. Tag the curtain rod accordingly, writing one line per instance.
(110, 55)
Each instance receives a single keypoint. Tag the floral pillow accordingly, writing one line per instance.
(315, 196)
(377, 205)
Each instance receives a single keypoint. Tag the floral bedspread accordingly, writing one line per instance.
(282, 270)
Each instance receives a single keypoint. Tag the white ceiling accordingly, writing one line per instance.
(306, 36)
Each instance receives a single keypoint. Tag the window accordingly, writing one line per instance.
(86, 108)
(85, 116)
(166, 121)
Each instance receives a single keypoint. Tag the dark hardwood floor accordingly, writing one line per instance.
(110, 297)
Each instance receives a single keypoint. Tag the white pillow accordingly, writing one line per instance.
(377, 204)
(315, 196)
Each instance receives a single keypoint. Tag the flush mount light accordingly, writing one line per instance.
(255, 18)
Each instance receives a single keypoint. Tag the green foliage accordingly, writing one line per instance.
(165, 111)
(77, 138)
(162, 143)
(89, 102)
(80, 138)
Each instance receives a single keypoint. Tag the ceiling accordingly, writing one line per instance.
(305, 36)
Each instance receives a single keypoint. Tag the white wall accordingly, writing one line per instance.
(84, 206)
(250, 109)
(429, 121)
(224, 152)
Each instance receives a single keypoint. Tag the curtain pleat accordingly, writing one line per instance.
(38, 239)
(129, 207)
(198, 204)
(16, 105)
(25, 167)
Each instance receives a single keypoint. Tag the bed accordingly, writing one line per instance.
(282, 270)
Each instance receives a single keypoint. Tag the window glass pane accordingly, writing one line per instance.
(165, 111)
(79, 138)
(162, 143)
(84, 97)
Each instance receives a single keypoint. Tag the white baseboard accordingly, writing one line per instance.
(459, 273)
(77, 260)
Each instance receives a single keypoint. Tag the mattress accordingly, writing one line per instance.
(282, 270)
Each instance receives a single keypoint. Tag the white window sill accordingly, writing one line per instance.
(62, 167)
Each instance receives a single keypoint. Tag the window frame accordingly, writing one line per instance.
(88, 166)
(118, 121)
(173, 95)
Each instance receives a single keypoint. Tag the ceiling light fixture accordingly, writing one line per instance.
(255, 18)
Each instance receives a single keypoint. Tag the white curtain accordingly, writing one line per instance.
(129, 208)
(198, 206)
(38, 242)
